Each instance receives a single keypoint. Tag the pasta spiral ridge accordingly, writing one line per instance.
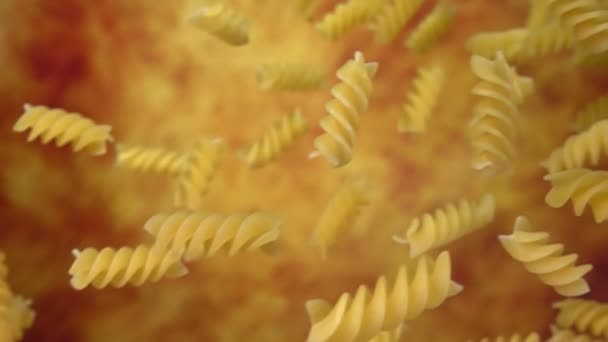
(584, 316)
(392, 18)
(422, 100)
(64, 127)
(222, 22)
(388, 335)
(583, 187)
(346, 16)
(363, 315)
(276, 139)
(16, 314)
(432, 27)
(544, 41)
(350, 101)
(193, 235)
(447, 224)
(146, 159)
(533, 250)
(118, 267)
(565, 335)
(289, 76)
(487, 44)
(593, 112)
(532, 337)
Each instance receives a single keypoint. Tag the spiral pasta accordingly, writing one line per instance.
(346, 16)
(16, 314)
(432, 27)
(544, 41)
(583, 187)
(447, 224)
(565, 335)
(532, 337)
(583, 316)
(422, 100)
(341, 212)
(197, 173)
(350, 101)
(546, 260)
(388, 335)
(146, 159)
(289, 76)
(595, 111)
(538, 14)
(363, 315)
(487, 44)
(126, 265)
(64, 127)
(193, 235)
(222, 22)
(276, 139)
(493, 126)
(392, 18)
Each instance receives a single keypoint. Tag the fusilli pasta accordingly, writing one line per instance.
(595, 111)
(289, 76)
(565, 335)
(346, 16)
(422, 99)
(16, 314)
(435, 25)
(392, 18)
(487, 44)
(222, 22)
(532, 337)
(389, 335)
(306, 7)
(146, 159)
(583, 316)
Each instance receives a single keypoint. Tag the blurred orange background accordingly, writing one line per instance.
(159, 82)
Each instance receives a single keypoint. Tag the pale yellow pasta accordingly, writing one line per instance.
(340, 213)
(583, 187)
(290, 76)
(538, 14)
(21, 316)
(422, 100)
(595, 111)
(350, 101)
(346, 16)
(275, 140)
(532, 337)
(447, 224)
(565, 335)
(193, 235)
(392, 18)
(393, 335)
(149, 159)
(222, 22)
(487, 44)
(546, 260)
(119, 267)
(432, 28)
(64, 127)
(547, 40)
(306, 7)
(583, 316)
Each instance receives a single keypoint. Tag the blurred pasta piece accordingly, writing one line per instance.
(487, 44)
(16, 314)
(565, 335)
(64, 127)
(547, 40)
(532, 337)
(392, 18)
(593, 112)
(289, 77)
(583, 316)
(346, 16)
(547, 261)
(149, 159)
(222, 22)
(538, 14)
(306, 7)
(393, 335)
(432, 28)
(422, 99)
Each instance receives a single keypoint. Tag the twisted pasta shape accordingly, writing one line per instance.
(388, 335)
(594, 112)
(565, 335)
(392, 18)
(123, 266)
(493, 126)
(197, 173)
(346, 16)
(544, 41)
(589, 144)
(145, 159)
(583, 187)
(21, 316)
(432, 27)
(538, 14)
(193, 235)
(422, 100)
(350, 101)
(222, 22)
(546, 260)
(65, 127)
(532, 337)
(289, 76)
(584, 316)
(276, 139)
(447, 224)
(361, 316)
(487, 44)
(340, 213)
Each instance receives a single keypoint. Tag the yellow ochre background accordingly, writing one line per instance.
(135, 65)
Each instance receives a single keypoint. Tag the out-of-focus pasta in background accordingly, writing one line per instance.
(137, 66)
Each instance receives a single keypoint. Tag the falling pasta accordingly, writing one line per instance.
(306, 7)
(487, 44)
(532, 337)
(583, 316)
(346, 16)
(565, 335)
(422, 100)
(392, 18)
(16, 314)
(595, 111)
(289, 76)
(389, 335)
(147, 159)
(432, 28)
(222, 22)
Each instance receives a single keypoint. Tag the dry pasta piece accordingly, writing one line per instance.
(545, 41)
(350, 101)
(222, 22)
(340, 213)
(289, 76)
(275, 140)
(532, 337)
(16, 314)
(388, 335)
(306, 7)
(422, 100)
(565, 335)
(447, 224)
(595, 111)
(346, 16)
(392, 18)
(538, 15)
(432, 28)
(487, 44)
(64, 127)
(493, 126)
(363, 315)
(581, 186)
(119, 267)
(583, 316)
(197, 173)
(149, 159)
(193, 235)
(533, 250)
